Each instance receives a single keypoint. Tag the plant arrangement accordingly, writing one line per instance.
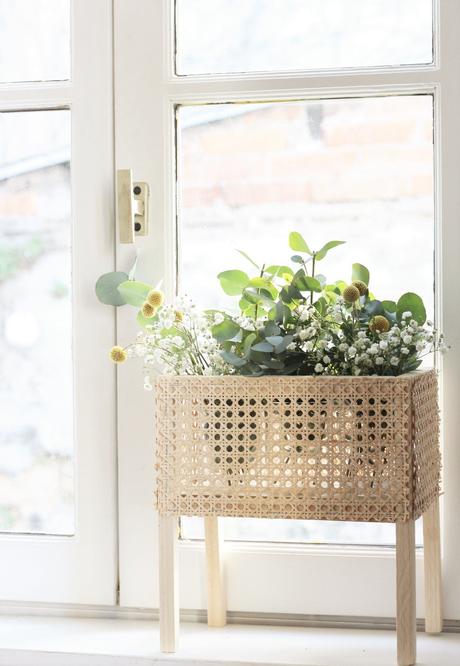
(286, 320)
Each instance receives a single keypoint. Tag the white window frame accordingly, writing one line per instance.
(304, 579)
(80, 569)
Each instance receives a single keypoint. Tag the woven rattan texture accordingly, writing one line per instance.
(325, 448)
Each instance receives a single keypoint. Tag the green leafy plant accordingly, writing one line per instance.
(285, 319)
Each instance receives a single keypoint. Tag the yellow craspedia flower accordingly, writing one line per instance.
(379, 324)
(118, 354)
(351, 293)
(155, 298)
(360, 286)
(178, 316)
(148, 310)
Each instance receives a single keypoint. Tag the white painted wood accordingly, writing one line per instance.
(81, 569)
(146, 92)
(217, 609)
(50, 642)
(169, 583)
(405, 593)
(433, 580)
(449, 315)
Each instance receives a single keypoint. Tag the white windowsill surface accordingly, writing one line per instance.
(51, 641)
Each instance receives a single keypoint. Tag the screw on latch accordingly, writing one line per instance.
(137, 190)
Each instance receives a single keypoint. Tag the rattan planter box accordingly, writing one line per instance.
(321, 448)
(324, 448)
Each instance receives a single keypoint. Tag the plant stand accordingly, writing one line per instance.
(316, 448)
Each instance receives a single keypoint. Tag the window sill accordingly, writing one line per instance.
(52, 641)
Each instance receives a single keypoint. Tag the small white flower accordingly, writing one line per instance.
(407, 339)
(356, 371)
(308, 346)
(383, 344)
(374, 348)
(343, 346)
(218, 318)
(394, 360)
(361, 334)
(326, 359)
(291, 346)
(352, 351)
(379, 360)
(406, 315)
(318, 367)
(303, 335)
(404, 350)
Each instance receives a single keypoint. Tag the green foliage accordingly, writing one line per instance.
(233, 282)
(291, 321)
(297, 243)
(134, 292)
(360, 272)
(226, 330)
(411, 303)
(325, 249)
(107, 288)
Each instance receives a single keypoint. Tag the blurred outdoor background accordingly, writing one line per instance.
(36, 414)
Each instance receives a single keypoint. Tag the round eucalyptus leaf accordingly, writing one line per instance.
(411, 303)
(107, 288)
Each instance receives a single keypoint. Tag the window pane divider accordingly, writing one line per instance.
(35, 96)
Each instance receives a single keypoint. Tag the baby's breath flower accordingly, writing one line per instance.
(318, 368)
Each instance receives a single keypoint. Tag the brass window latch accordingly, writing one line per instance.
(132, 206)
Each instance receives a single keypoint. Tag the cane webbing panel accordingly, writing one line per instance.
(325, 448)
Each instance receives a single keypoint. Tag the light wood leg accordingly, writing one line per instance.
(432, 562)
(169, 589)
(217, 610)
(405, 592)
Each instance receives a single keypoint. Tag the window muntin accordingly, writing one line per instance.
(244, 36)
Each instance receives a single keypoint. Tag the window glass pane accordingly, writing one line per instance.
(36, 438)
(34, 40)
(224, 36)
(358, 170)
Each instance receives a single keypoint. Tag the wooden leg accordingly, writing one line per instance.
(169, 590)
(432, 561)
(405, 592)
(217, 611)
